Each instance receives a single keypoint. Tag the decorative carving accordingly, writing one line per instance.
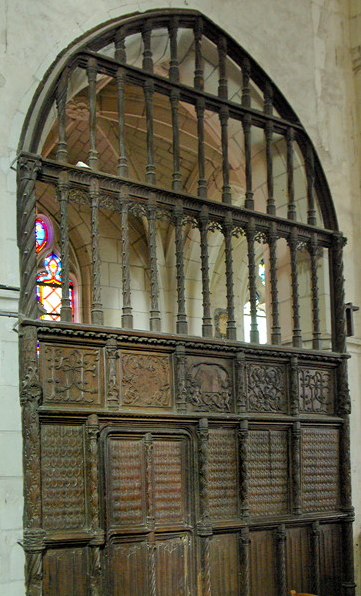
(345, 485)
(222, 474)
(63, 485)
(145, 380)
(207, 319)
(343, 392)
(149, 478)
(180, 373)
(316, 390)
(203, 436)
(231, 320)
(182, 325)
(272, 243)
(28, 169)
(63, 190)
(296, 468)
(292, 242)
(266, 388)
(96, 308)
(250, 233)
(127, 316)
(77, 110)
(243, 436)
(209, 387)
(294, 386)
(111, 355)
(154, 287)
(73, 375)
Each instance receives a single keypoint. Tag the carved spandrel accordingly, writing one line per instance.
(316, 390)
(71, 375)
(146, 380)
(63, 481)
(209, 387)
(266, 388)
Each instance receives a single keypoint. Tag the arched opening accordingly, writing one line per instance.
(185, 411)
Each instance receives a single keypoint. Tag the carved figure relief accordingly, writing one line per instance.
(72, 375)
(209, 387)
(266, 388)
(145, 380)
(316, 390)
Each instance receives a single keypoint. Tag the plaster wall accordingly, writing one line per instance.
(305, 47)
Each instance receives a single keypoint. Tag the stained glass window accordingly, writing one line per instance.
(48, 288)
(41, 234)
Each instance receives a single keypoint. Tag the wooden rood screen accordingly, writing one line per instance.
(185, 414)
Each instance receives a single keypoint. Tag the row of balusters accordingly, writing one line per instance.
(178, 216)
(147, 80)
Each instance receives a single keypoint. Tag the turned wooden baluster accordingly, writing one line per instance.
(202, 182)
(207, 319)
(182, 325)
(198, 71)
(150, 175)
(61, 97)
(310, 173)
(291, 213)
(127, 316)
(155, 322)
(63, 196)
(272, 243)
(92, 74)
(97, 307)
(231, 321)
(120, 77)
(251, 232)
(313, 250)
(268, 131)
(297, 336)
(246, 123)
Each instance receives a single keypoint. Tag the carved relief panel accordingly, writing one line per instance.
(71, 375)
(209, 385)
(266, 388)
(316, 390)
(145, 380)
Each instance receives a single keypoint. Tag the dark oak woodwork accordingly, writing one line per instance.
(163, 464)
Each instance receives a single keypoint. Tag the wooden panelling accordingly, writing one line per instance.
(268, 472)
(173, 560)
(62, 472)
(128, 568)
(262, 563)
(65, 572)
(125, 473)
(330, 559)
(298, 559)
(170, 490)
(222, 474)
(320, 469)
(225, 566)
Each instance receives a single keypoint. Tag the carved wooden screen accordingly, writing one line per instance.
(157, 462)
